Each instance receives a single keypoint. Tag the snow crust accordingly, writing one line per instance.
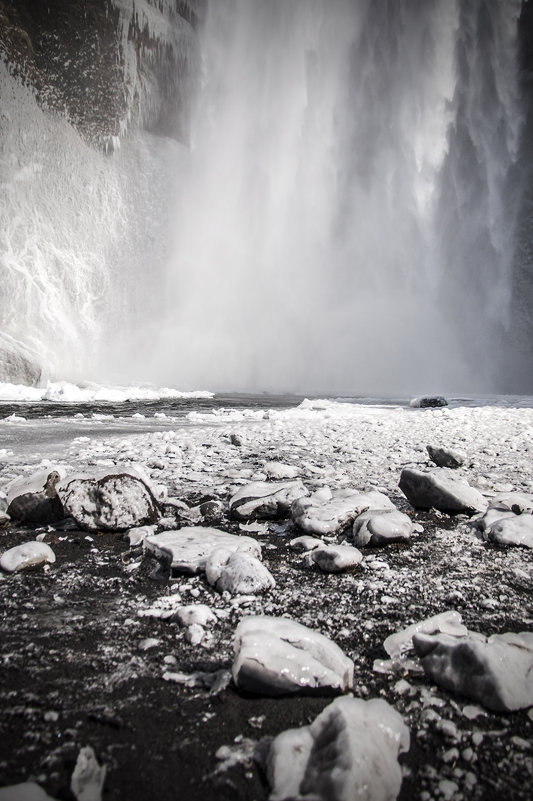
(63, 391)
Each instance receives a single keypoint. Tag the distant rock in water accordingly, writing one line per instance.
(442, 490)
(446, 457)
(428, 402)
(495, 671)
(350, 751)
(18, 364)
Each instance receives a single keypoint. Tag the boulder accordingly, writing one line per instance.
(350, 751)
(446, 457)
(237, 573)
(34, 500)
(265, 500)
(187, 549)
(381, 526)
(331, 516)
(442, 490)
(26, 556)
(113, 502)
(333, 558)
(277, 656)
(495, 671)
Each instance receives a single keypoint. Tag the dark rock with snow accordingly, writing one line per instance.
(334, 558)
(446, 457)
(26, 557)
(187, 549)
(495, 671)
(328, 515)
(114, 502)
(237, 572)
(442, 490)
(428, 402)
(265, 500)
(350, 751)
(34, 500)
(381, 526)
(277, 656)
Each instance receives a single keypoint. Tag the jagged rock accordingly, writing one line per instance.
(187, 549)
(349, 752)
(114, 502)
(446, 457)
(495, 671)
(441, 490)
(26, 556)
(237, 573)
(428, 402)
(265, 500)
(381, 526)
(333, 558)
(448, 622)
(327, 517)
(277, 656)
(34, 499)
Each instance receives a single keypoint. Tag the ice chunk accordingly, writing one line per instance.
(381, 526)
(449, 622)
(277, 656)
(333, 558)
(88, 777)
(25, 556)
(237, 573)
(188, 548)
(350, 751)
(442, 490)
(265, 500)
(195, 614)
(495, 671)
(326, 517)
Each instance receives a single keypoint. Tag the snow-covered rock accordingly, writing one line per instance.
(27, 791)
(379, 527)
(511, 530)
(314, 515)
(446, 457)
(279, 471)
(442, 490)
(333, 558)
(237, 573)
(304, 543)
(350, 751)
(136, 536)
(188, 548)
(277, 656)
(265, 500)
(26, 556)
(517, 502)
(448, 622)
(34, 499)
(113, 502)
(88, 776)
(195, 614)
(495, 671)
(428, 402)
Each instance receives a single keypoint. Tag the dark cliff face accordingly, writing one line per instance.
(97, 61)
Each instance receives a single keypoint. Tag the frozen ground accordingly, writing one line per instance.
(82, 667)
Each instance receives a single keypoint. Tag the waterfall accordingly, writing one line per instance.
(342, 219)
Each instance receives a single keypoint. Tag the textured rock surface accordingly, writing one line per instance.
(441, 490)
(277, 656)
(349, 751)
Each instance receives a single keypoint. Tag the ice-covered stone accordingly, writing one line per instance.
(188, 548)
(277, 656)
(428, 402)
(448, 622)
(113, 502)
(266, 500)
(511, 530)
(349, 752)
(88, 777)
(34, 499)
(195, 614)
(446, 457)
(304, 543)
(27, 791)
(442, 490)
(333, 558)
(379, 527)
(280, 471)
(136, 536)
(517, 502)
(326, 517)
(26, 556)
(237, 573)
(495, 671)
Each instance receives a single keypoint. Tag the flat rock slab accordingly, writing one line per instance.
(265, 500)
(321, 517)
(113, 502)
(187, 549)
(27, 556)
(334, 558)
(237, 573)
(495, 671)
(350, 751)
(277, 656)
(448, 622)
(442, 490)
(380, 527)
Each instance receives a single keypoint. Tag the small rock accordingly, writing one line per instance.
(317, 516)
(381, 526)
(265, 500)
(280, 471)
(446, 457)
(449, 622)
(34, 499)
(304, 543)
(187, 550)
(237, 573)
(26, 556)
(334, 558)
(199, 614)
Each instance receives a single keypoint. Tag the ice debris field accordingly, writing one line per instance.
(326, 602)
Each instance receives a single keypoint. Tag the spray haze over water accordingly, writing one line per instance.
(341, 221)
